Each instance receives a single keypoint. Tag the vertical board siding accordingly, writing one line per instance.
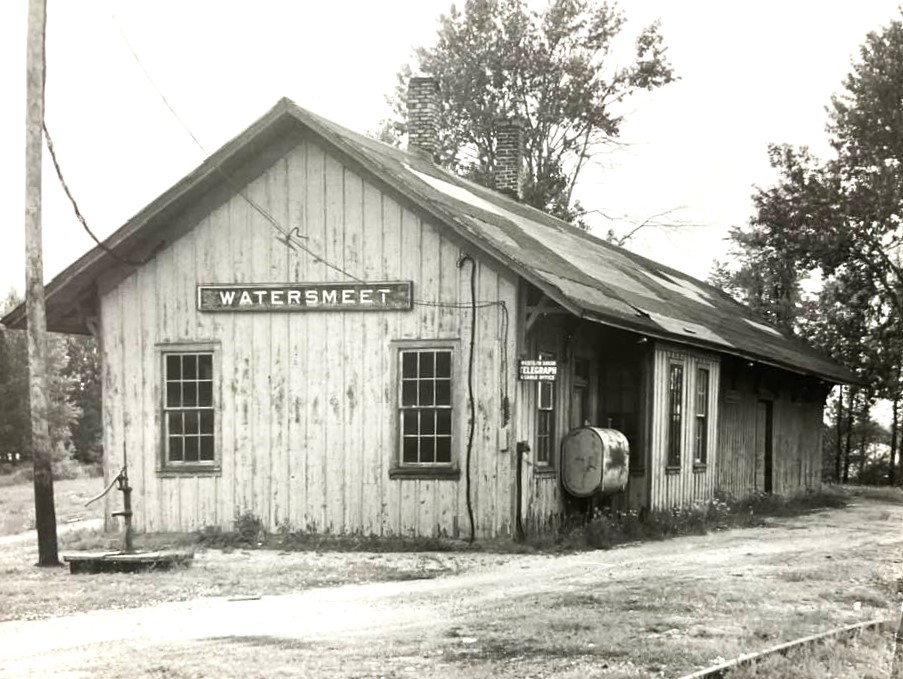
(112, 356)
(796, 441)
(687, 484)
(541, 496)
(307, 414)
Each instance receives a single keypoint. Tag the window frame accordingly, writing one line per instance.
(399, 468)
(548, 412)
(701, 419)
(166, 466)
(674, 448)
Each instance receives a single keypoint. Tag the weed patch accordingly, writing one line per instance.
(864, 656)
(606, 528)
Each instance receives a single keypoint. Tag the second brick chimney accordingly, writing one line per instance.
(423, 116)
(509, 157)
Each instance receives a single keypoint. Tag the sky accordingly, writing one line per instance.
(750, 74)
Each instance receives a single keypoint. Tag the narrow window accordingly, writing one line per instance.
(701, 443)
(426, 407)
(545, 418)
(188, 409)
(675, 411)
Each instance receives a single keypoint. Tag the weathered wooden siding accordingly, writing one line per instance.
(688, 483)
(541, 487)
(305, 401)
(544, 501)
(796, 435)
(638, 486)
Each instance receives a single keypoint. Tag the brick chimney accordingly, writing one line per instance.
(509, 157)
(423, 116)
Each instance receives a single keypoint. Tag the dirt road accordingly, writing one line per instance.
(656, 609)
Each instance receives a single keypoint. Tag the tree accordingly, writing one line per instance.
(553, 69)
(844, 216)
(15, 418)
(762, 278)
(15, 415)
(839, 222)
(83, 384)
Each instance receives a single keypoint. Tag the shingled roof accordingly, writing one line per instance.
(589, 277)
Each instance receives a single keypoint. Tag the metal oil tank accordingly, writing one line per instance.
(594, 461)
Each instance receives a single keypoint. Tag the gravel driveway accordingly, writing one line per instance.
(443, 627)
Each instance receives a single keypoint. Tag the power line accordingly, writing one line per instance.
(78, 212)
(290, 238)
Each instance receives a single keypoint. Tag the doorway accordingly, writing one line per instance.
(764, 443)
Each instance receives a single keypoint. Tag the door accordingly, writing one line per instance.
(578, 415)
(578, 412)
(764, 445)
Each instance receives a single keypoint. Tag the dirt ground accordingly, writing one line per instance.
(652, 610)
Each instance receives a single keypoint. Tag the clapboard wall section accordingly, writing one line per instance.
(796, 405)
(306, 404)
(681, 485)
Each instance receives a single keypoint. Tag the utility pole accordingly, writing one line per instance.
(45, 512)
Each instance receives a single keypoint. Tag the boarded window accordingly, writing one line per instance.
(188, 408)
(545, 417)
(701, 440)
(425, 405)
(675, 413)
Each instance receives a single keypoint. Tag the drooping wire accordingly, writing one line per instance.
(471, 427)
(503, 368)
(78, 212)
(289, 237)
(59, 170)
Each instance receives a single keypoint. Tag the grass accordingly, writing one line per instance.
(645, 611)
(889, 495)
(865, 656)
(607, 529)
(29, 593)
(70, 495)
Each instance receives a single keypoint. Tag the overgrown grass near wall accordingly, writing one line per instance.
(606, 528)
(602, 530)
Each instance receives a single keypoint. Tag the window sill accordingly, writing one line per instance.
(672, 470)
(700, 468)
(447, 473)
(545, 471)
(190, 470)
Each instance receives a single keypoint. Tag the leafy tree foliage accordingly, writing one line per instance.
(15, 421)
(553, 69)
(840, 221)
(74, 415)
(83, 379)
(764, 279)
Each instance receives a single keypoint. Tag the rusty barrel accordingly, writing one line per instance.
(593, 461)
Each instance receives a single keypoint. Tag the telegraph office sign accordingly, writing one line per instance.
(384, 296)
(537, 371)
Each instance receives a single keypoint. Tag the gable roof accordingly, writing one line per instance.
(589, 277)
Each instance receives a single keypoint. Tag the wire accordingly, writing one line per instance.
(59, 170)
(503, 367)
(78, 213)
(470, 398)
(290, 238)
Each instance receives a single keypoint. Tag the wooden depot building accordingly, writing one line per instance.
(339, 336)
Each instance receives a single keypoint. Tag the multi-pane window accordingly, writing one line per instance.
(188, 412)
(675, 413)
(701, 441)
(545, 417)
(426, 406)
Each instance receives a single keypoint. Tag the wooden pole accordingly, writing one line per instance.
(45, 513)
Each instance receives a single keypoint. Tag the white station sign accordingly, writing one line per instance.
(536, 370)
